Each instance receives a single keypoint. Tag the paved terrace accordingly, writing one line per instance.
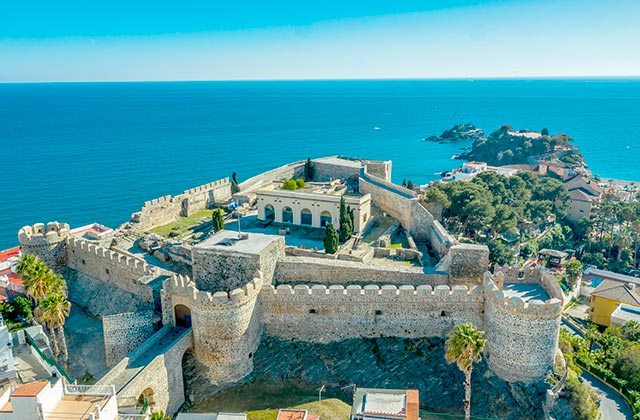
(525, 291)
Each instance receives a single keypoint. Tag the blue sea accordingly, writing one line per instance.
(85, 152)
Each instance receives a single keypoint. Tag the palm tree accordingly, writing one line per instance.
(25, 266)
(54, 310)
(464, 347)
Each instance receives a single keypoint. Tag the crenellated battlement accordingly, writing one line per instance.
(522, 335)
(39, 233)
(210, 186)
(550, 308)
(183, 286)
(372, 292)
(158, 202)
(110, 257)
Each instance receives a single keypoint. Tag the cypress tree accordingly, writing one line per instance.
(331, 239)
(346, 221)
(308, 170)
(234, 183)
(218, 220)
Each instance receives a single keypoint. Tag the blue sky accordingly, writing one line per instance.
(216, 40)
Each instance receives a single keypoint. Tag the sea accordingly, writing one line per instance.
(94, 152)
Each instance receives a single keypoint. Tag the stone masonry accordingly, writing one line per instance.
(243, 287)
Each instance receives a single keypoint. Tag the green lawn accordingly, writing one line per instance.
(261, 401)
(331, 409)
(184, 225)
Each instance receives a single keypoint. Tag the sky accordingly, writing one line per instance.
(147, 40)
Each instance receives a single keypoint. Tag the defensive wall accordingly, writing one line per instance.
(48, 242)
(293, 269)
(113, 268)
(403, 204)
(323, 314)
(226, 328)
(166, 209)
(154, 370)
(124, 332)
(522, 336)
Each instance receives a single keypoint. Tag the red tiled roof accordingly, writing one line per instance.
(9, 253)
(31, 389)
(292, 414)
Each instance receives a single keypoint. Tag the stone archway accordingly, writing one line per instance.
(269, 212)
(146, 399)
(306, 218)
(325, 218)
(182, 316)
(287, 215)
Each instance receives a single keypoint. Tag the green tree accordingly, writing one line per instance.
(544, 132)
(331, 239)
(159, 415)
(464, 347)
(308, 170)
(217, 218)
(300, 183)
(24, 307)
(628, 365)
(346, 221)
(436, 201)
(290, 184)
(234, 183)
(499, 253)
(53, 311)
(631, 331)
(478, 215)
(574, 270)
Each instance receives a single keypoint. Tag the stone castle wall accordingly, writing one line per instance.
(47, 242)
(226, 328)
(522, 337)
(468, 263)
(126, 331)
(294, 269)
(113, 268)
(215, 270)
(322, 314)
(166, 209)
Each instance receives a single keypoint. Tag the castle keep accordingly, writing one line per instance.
(225, 290)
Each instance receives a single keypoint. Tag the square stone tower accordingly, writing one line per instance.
(224, 262)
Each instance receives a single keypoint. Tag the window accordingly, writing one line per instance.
(312, 311)
(378, 312)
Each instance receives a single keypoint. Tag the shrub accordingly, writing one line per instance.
(300, 183)
(218, 220)
(290, 184)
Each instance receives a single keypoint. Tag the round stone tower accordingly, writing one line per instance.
(47, 242)
(522, 335)
(226, 328)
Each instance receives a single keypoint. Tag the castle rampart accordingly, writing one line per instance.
(522, 336)
(295, 269)
(334, 313)
(125, 272)
(47, 242)
(166, 209)
(226, 328)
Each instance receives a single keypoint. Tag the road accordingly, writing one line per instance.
(612, 405)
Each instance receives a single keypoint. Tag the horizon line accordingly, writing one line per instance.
(339, 79)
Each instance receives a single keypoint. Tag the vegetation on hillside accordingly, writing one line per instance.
(491, 207)
(613, 355)
(502, 147)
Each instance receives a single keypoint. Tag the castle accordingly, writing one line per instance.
(234, 289)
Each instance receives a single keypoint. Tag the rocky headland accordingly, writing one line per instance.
(458, 132)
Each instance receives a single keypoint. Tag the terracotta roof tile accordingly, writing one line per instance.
(30, 389)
